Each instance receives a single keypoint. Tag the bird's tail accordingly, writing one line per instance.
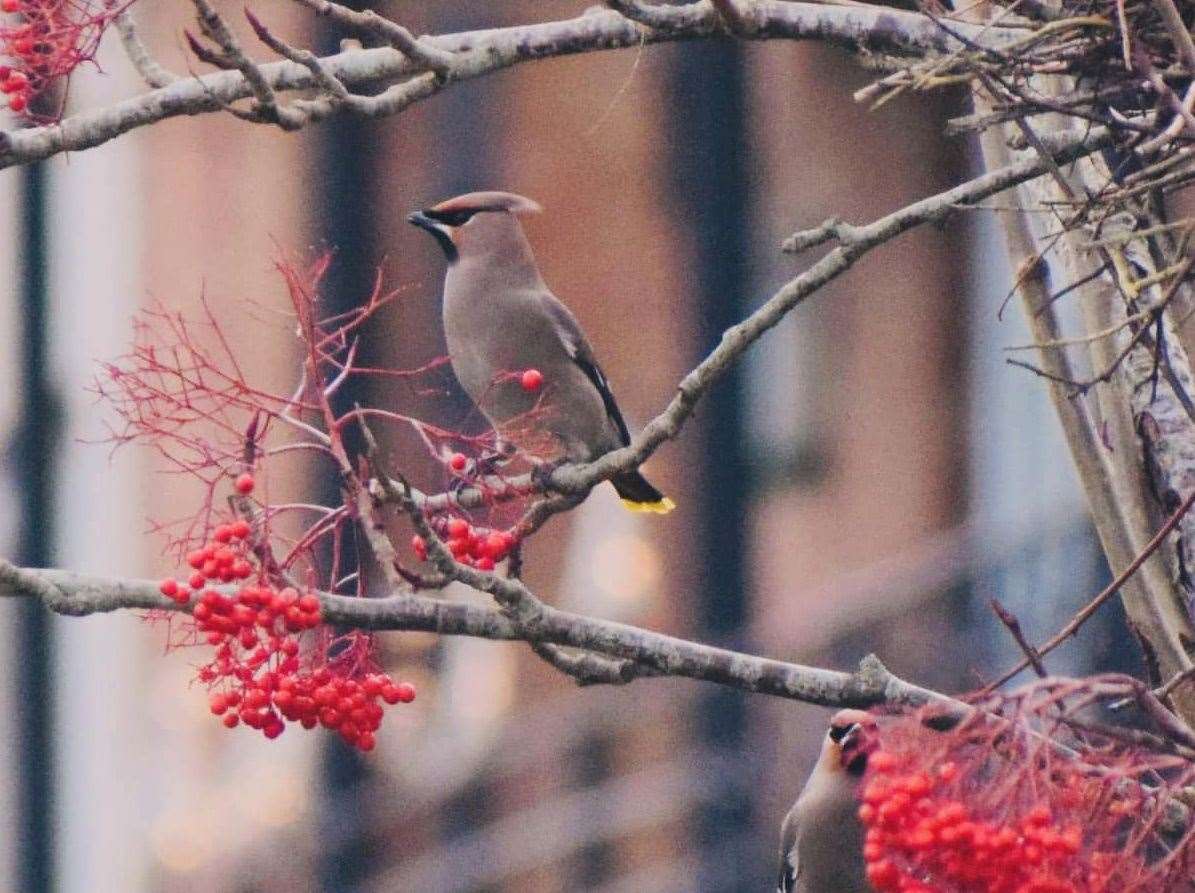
(639, 495)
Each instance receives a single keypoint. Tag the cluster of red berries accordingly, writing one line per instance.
(51, 39)
(479, 547)
(349, 706)
(257, 675)
(14, 84)
(919, 839)
(257, 678)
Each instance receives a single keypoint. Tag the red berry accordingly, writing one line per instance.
(308, 603)
(295, 619)
(419, 547)
(245, 484)
(531, 380)
(484, 563)
(458, 461)
(197, 580)
(168, 587)
(406, 692)
(329, 718)
(496, 545)
(222, 534)
(218, 704)
(240, 529)
(10, 5)
(196, 559)
(231, 720)
(458, 528)
(366, 741)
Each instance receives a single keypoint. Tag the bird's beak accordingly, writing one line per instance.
(421, 220)
(440, 231)
(850, 737)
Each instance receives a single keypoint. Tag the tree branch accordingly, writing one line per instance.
(478, 53)
(78, 595)
(853, 243)
(1101, 430)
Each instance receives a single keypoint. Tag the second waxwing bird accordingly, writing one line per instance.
(501, 320)
(821, 841)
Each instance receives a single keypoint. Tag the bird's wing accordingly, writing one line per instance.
(579, 351)
(790, 868)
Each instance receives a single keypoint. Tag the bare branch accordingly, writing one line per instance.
(151, 71)
(659, 17)
(592, 669)
(267, 105)
(853, 243)
(479, 53)
(78, 595)
(737, 21)
(422, 53)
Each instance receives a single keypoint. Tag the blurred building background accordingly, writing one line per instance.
(867, 481)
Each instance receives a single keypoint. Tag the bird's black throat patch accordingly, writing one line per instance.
(426, 220)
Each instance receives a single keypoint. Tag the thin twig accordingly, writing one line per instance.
(1110, 590)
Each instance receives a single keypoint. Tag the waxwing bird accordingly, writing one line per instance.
(501, 321)
(821, 841)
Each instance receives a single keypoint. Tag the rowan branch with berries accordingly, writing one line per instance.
(273, 594)
(1030, 793)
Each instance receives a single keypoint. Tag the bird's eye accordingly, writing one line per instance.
(450, 218)
(837, 733)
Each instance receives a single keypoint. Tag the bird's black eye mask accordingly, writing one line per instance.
(451, 218)
(837, 733)
(437, 224)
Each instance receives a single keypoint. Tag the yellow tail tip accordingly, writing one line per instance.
(660, 507)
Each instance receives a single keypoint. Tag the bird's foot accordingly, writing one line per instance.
(489, 462)
(541, 473)
(487, 465)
